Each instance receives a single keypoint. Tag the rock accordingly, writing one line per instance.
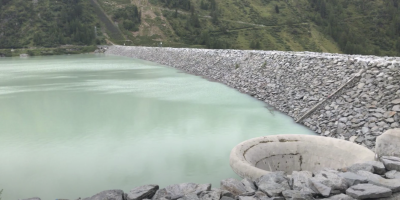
(162, 193)
(361, 166)
(368, 191)
(191, 196)
(299, 181)
(340, 197)
(297, 195)
(396, 101)
(389, 114)
(393, 174)
(396, 108)
(108, 194)
(353, 179)
(379, 168)
(227, 198)
(260, 195)
(233, 185)
(390, 120)
(177, 191)
(319, 187)
(142, 192)
(226, 193)
(393, 184)
(388, 144)
(353, 138)
(249, 185)
(248, 194)
(393, 197)
(391, 162)
(343, 119)
(210, 195)
(331, 178)
(247, 198)
(273, 184)
(365, 130)
(203, 188)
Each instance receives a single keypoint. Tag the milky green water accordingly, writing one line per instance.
(72, 126)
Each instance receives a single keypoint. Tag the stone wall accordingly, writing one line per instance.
(294, 82)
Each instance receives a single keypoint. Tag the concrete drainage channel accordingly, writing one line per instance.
(312, 167)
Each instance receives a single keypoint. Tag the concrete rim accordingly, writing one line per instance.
(245, 169)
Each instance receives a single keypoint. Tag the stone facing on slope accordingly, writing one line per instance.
(293, 82)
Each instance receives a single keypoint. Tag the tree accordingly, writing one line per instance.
(398, 45)
(277, 9)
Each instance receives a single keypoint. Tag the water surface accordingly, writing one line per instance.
(72, 126)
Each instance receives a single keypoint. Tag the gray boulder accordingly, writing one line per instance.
(233, 185)
(273, 184)
(361, 166)
(247, 198)
(142, 192)
(317, 186)
(393, 197)
(227, 198)
(379, 168)
(353, 179)
(296, 195)
(260, 195)
(161, 193)
(392, 174)
(210, 195)
(226, 193)
(340, 197)
(393, 184)
(331, 179)
(177, 191)
(190, 196)
(249, 185)
(202, 188)
(391, 162)
(108, 194)
(299, 181)
(368, 191)
(388, 144)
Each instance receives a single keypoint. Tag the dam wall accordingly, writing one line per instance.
(350, 97)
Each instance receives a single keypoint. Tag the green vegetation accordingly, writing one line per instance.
(46, 23)
(338, 26)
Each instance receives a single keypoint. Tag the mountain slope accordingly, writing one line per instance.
(337, 26)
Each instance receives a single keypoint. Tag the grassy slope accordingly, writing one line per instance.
(300, 35)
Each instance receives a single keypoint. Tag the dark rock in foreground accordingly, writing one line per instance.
(368, 191)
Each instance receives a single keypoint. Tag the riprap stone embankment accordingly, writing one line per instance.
(293, 82)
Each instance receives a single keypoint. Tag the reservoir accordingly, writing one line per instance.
(72, 126)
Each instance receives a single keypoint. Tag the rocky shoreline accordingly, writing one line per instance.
(294, 82)
(369, 180)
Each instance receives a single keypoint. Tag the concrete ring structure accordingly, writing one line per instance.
(258, 156)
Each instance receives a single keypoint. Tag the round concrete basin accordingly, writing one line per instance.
(258, 156)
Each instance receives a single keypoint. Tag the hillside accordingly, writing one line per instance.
(338, 26)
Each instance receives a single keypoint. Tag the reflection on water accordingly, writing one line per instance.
(72, 126)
